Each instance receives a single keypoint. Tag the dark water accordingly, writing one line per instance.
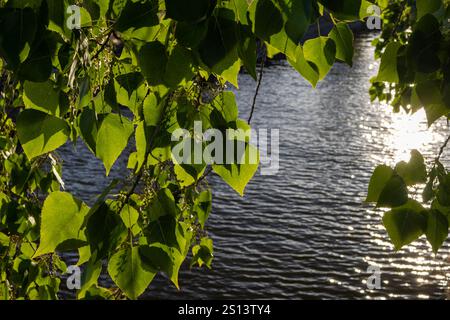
(305, 233)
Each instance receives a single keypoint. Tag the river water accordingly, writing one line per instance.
(305, 232)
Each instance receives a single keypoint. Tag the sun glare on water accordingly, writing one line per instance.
(408, 132)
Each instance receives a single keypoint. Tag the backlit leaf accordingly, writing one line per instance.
(112, 138)
(322, 52)
(129, 272)
(342, 36)
(62, 218)
(437, 229)
(404, 225)
(378, 181)
(40, 133)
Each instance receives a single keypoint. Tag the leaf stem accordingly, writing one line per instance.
(258, 86)
(441, 150)
(103, 46)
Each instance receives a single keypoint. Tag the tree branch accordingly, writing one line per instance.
(103, 46)
(441, 150)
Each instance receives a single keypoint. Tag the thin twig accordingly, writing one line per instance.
(103, 46)
(207, 173)
(441, 150)
(261, 73)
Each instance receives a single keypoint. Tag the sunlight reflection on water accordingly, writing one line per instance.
(408, 132)
(403, 133)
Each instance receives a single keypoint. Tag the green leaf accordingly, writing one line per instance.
(62, 218)
(129, 82)
(163, 204)
(84, 96)
(112, 138)
(429, 92)
(404, 224)
(89, 277)
(116, 6)
(342, 36)
(184, 177)
(437, 229)
(424, 45)
(41, 96)
(169, 242)
(130, 273)
(282, 23)
(430, 96)
(105, 231)
(203, 253)
(96, 292)
(3, 142)
(86, 20)
(89, 128)
(141, 145)
(236, 175)
(179, 67)
(322, 52)
(17, 32)
(428, 6)
(225, 103)
(247, 49)
(129, 216)
(84, 254)
(190, 35)
(347, 9)
(435, 112)
(4, 240)
(428, 192)
(414, 171)
(445, 210)
(100, 199)
(443, 194)
(130, 91)
(240, 7)
(103, 7)
(38, 66)
(138, 15)
(192, 10)
(307, 69)
(152, 110)
(378, 181)
(229, 74)
(166, 230)
(263, 11)
(153, 60)
(106, 101)
(40, 133)
(394, 194)
(57, 16)
(388, 68)
(203, 206)
(163, 258)
(219, 47)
